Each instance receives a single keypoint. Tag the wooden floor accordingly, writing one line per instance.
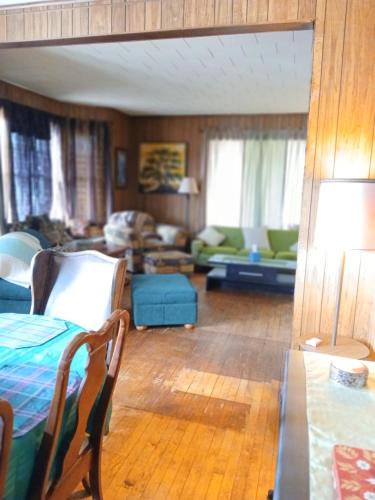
(195, 413)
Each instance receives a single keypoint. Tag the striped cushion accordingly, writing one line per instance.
(16, 252)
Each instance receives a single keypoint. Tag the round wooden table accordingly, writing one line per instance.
(345, 346)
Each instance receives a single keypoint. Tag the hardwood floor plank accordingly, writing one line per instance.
(195, 414)
(156, 478)
(239, 481)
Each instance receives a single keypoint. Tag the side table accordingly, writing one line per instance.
(345, 346)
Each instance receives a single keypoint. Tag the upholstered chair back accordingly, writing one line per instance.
(81, 287)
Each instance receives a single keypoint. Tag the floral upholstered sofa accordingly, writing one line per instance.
(140, 234)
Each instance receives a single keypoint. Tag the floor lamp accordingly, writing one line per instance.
(345, 221)
(188, 187)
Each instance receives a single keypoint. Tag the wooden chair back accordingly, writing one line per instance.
(81, 455)
(6, 416)
(81, 287)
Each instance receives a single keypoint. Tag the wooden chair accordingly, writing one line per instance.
(6, 415)
(81, 287)
(83, 451)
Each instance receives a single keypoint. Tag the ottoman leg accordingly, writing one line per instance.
(141, 328)
(189, 326)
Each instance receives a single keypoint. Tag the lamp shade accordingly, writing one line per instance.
(188, 186)
(346, 214)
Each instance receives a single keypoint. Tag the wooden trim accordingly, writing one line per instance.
(46, 4)
(164, 34)
(6, 417)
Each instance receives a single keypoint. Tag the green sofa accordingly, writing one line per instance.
(280, 241)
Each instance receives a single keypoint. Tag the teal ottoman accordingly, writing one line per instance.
(163, 299)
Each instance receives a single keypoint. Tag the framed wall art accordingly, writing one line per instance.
(162, 165)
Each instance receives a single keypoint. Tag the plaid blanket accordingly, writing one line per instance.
(29, 388)
(26, 330)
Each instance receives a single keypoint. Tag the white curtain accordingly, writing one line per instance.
(256, 180)
(295, 164)
(263, 180)
(6, 175)
(224, 176)
(59, 206)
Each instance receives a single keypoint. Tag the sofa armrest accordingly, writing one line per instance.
(196, 248)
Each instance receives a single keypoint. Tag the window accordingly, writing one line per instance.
(31, 175)
(256, 181)
(224, 175)
(29, 157)
(89, 171)
(55, 166)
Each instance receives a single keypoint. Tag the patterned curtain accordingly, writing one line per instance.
(29, 145)
(87, 170)
(59, 196)
(55, 166)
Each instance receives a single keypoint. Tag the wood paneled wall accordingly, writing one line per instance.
(124, 198)
(191, 129)
(341, 119)
(340, 145)
(113, 17)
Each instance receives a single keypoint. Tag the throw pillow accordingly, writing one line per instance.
(256, 236)
(168, 233)
(16, 252)
(294, 247)
(211, 237)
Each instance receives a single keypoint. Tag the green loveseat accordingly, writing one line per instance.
(280, 241)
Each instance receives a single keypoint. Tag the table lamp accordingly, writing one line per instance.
(188, 187)
(345, 221)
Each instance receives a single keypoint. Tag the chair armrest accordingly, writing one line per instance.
(181, 239)
(173, 235)
(196, 247)
(150, 235)
(123, 236)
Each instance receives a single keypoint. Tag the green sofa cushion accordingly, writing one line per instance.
(286, 255)
(233, 236)
(266, 254)
(281, 240)
(220, 249)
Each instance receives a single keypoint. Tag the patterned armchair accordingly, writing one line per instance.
(55, 231)
(138, 231)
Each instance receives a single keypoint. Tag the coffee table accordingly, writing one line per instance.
(98, 243)
(168, 261)
(238, 272)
